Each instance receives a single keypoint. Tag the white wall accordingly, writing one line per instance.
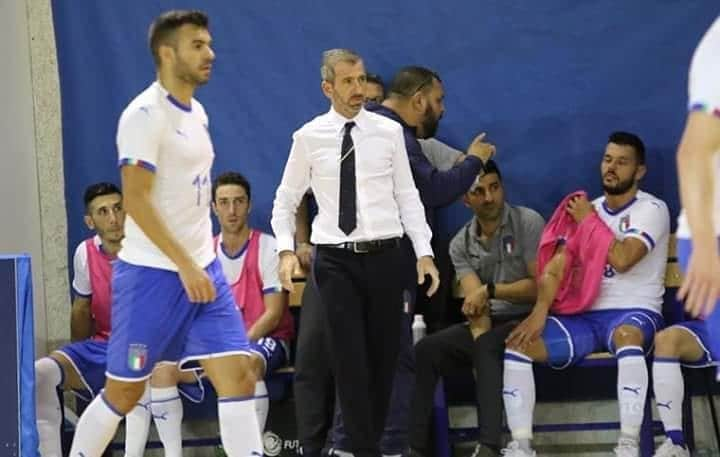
(32, 205)
(20, 202)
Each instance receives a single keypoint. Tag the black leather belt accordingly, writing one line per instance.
(365, 247)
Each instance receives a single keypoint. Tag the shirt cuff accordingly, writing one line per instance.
(285, 243)
(705, 108)
(642, 236)
(271, 290)
(81, 294)
(138, 163)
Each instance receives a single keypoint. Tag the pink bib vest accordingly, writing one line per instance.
(248, 291)
(100, 272)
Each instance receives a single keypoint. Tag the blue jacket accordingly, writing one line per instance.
(437, 188)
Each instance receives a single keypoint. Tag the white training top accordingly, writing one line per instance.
(81, 272)
(646, 218)
(704, 95)
(172, 140)
(267, 257)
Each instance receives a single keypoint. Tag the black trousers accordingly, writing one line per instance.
(362, 295)
(314, 388)
(453, 351)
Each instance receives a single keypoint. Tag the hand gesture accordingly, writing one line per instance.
(480, 149)
(198, 285)
(426, 266)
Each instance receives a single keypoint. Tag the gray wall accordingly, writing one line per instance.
(31, 179)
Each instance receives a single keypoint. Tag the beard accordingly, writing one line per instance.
(184, 72)
(429, 124)
(620, 188)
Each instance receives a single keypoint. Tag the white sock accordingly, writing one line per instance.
(167, 412)
(48, 376)
(669, 392)
(137, 426)
(632, 385)
(239, 429)
(262, 404)
(95, 429)
(519, 394)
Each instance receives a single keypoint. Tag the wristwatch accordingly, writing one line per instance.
(491, 289)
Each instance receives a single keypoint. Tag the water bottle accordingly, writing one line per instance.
(418, 328)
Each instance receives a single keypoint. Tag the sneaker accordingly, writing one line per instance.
(668, 449)
(483, 451)
(627, 448)
(513, 450)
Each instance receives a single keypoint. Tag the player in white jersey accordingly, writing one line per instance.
(623, 318)
(171, 302)
(698, 164)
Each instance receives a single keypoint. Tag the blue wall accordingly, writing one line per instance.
(547, 80)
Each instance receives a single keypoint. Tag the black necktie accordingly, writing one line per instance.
(346, 219)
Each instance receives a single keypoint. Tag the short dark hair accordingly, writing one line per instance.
(375, 79)
(410, 80)
(632, 140)
(164, 26)
(491, 167)
(96, 190)
(231, 177)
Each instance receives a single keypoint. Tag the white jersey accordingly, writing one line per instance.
(646, 218)
(704, 95)
(172, 140)
(267, 258)
(81, 272)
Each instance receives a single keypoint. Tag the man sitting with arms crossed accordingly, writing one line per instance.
(256, 287)
(494, 257)
(80, 366)
(624, 317)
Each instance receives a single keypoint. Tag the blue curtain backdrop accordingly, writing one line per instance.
(547, 80)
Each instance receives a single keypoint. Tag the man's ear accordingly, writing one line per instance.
(640, 172)
(89, 222)
(327, 88)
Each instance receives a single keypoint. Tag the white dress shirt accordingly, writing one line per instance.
(388, 203)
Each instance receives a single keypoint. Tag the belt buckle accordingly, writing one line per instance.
(357, 250)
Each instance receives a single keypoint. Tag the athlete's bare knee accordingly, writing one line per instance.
(667, 343)
(535, 351)
(231, 376)
(627, 335)
(164, 375)
(122, 395)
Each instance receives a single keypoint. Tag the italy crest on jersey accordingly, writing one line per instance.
(137, 356)
(625, 223)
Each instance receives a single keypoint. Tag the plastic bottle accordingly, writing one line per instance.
(418, 328)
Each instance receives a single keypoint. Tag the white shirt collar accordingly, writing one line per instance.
(339, 120)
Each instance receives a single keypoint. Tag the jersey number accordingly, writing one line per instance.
(609, 271)
(202, 185)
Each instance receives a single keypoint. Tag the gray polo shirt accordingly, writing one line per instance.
(502, 258)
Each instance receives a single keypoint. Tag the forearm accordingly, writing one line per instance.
(549, 283)
(522, 291)
(697, 187)
(264, 325)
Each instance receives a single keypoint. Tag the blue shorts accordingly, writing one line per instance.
(569, 339)
(153, 321)
(273, 352)
(699, 330)
(90, 361)
(684, 249)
